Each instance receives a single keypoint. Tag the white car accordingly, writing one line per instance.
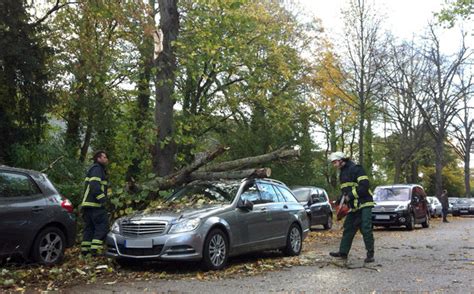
(435, 206)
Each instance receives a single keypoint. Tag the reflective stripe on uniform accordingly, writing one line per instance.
(348, 184)
(356, 197)
(362, 178)
(97, 179)
(100, 196)
(92, 204)
(367, 204)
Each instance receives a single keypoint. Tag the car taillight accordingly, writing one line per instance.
(66, 204)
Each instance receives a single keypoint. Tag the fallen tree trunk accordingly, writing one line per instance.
(223, 170)
(281, 153)
(232, 175)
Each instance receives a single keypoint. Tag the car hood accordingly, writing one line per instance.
(170, 215)
(391, 203)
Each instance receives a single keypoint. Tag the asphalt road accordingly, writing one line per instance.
(436, 260)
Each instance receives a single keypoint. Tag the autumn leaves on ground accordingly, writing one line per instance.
(75, 270)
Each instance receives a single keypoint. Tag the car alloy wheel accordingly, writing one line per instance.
(411, 222)
(215, 250)
(48, 247)
(294, 241)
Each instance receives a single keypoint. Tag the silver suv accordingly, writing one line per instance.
(211, 221)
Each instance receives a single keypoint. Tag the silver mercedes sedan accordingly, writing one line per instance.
(212, 221)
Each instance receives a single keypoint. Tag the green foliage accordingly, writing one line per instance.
(453, 180)
(24, 95)
(454, 10)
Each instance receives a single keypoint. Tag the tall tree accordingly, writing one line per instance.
(24, 95)
(164, 155)
(363, 46)
(444, 95)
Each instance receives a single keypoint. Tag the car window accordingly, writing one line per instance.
(287, 194)
(302, 194)
(251, 194)
(267, 193)
(392, 194)
(17, 185)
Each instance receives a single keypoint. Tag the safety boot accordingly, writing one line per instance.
(338, 254)
(370, 257)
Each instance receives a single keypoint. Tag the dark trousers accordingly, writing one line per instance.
(444, 212)
(96, 226)
(359, 220)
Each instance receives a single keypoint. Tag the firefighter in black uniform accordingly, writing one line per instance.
(355, 189)
(95, 217)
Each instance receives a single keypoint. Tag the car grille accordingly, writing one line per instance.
(385, 208)
(141, 228)
(156, 250)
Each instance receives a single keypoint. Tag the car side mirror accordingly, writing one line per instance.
(247, 204)
(314, 198)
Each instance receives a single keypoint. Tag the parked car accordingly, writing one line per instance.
(435, 206)
(316, 203)
(400, 205)
(451, 201)
(212, 221)
(463, 206)
(36, 221)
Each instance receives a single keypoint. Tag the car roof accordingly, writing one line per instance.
(22, 170)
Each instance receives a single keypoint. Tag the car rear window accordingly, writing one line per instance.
(301, 194)
(17, 185)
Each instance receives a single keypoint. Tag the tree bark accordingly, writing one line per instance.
(165, 147)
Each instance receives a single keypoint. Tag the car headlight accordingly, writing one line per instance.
(185, 226)
(401, 207)
(115, 228)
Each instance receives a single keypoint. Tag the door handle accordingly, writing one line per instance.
(285, 206)
(263, 209)
(37, 209)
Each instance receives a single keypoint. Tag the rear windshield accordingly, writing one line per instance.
(301, 194)
(392, 194)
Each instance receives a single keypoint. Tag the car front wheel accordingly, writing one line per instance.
(294, 241)
(216, 250)
(48, 247)
(426, 223)
(411, 222)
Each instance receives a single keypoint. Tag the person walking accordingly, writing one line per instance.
(356, 191)
(94, 214)
(444, 205)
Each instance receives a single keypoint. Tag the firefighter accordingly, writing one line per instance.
(95, 216)
(355, 189)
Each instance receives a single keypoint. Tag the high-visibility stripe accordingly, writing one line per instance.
(362, 178)
(97, 179)
(86, 193)
(100, 196)
(97, 241)
(367, 204)
(86, 243)
(97, 247)
(348, 184)
(92, 204)
(356, 197)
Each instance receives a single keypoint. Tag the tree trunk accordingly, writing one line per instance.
(467, 168)
(439, 150)
(165, 147)
(86, 143)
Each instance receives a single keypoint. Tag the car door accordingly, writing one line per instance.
(418, 203)
(318, 213)
(253, 222)
(21, 207)
(277, 210)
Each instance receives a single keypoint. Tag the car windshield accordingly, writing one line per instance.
(203, 193)
(301, 194)
(392, 194)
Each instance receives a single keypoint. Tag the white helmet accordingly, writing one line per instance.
(337, 156)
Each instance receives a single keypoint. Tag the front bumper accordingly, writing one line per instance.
(463, 210)
(182, 246)
(395, 218)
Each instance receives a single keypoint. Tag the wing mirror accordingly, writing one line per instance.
(246, 205)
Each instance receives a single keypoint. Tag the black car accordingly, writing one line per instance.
(316, 202)
(37, 223)
(463, 206)
(400, 205)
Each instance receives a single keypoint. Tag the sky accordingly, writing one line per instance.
(404, 18)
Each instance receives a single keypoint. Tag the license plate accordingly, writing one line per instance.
(463, 211)
(146, 243)
(382, 216)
